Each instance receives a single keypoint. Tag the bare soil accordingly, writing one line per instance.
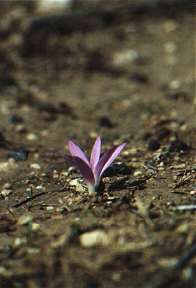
(131, 80)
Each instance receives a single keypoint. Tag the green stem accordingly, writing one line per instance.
(91, 189)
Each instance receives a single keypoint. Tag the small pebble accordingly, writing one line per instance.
(24, 219)
(40, 188)
(5, 192)
(170, 26)
(32, 137)
(193, 193)
(131, 151)
(94, 238)
(49, 208)
(29, 190)
(20, 128)
(10, 164)
(35, 166)
(123, 57)
(52, 6)
(188, 273)
(33, 250)
(78, 186)
(7, 185)
(137, 173)
(3, 271)
(74, 182)
(45, 133)
(174, 84)
(170, 47)
(35, 226)
(19, 241)
(93, 134)
(116, 276)
(55, 175)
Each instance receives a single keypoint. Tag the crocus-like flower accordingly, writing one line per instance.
(92, 170)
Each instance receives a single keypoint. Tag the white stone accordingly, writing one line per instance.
(48, 6)
(78, 186)
(32, 137)
(35, 166)
(24, 219)
(19, 241)
(125, 56)
(5, 166)
(49, 208)
(35, 226)
(137, 173)
(94, 238)
(5, 192)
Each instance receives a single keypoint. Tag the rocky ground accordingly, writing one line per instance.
(130, 78)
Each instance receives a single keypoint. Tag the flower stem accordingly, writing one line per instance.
(92, 189)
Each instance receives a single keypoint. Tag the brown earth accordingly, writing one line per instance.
(131, 79)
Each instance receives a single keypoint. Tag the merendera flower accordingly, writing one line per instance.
(92, 170)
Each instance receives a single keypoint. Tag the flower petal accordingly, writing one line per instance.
(95, 154)
(107, 159)
(75, 151)
(84, 169)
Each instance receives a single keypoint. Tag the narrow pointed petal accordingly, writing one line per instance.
(84, 169)
(107, 159)
(95, 154)
(76, 151)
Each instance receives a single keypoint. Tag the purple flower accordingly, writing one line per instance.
(92, 170)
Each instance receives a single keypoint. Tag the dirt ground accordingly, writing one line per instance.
(129, 79)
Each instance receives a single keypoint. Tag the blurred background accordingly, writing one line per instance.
(89, 66)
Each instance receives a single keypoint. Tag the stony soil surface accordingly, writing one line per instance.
(130, 81)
